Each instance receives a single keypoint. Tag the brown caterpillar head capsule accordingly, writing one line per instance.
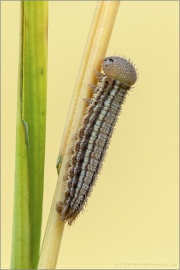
(120, 69)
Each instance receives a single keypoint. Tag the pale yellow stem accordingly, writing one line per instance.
(94, 53)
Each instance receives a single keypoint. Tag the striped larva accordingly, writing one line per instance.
(94, 134)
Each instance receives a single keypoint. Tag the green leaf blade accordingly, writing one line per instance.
(31, 127)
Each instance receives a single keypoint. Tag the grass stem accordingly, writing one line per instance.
(94, 53)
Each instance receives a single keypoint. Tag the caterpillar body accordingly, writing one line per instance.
(94, 134)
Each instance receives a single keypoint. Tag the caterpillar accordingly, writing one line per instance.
(94, 134)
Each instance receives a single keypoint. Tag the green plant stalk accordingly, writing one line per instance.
(30, 135)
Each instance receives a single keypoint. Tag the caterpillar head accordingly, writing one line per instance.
(120, 69)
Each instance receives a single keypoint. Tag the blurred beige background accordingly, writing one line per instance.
(131, 221)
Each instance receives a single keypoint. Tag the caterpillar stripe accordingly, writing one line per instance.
(94, 134)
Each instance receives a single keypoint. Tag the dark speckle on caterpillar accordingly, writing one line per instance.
(94, 134)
